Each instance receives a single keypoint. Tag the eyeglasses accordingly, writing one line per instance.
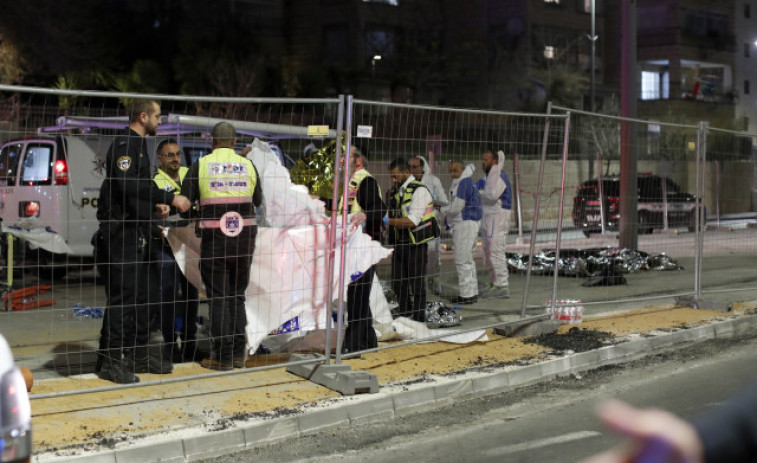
(176, 155)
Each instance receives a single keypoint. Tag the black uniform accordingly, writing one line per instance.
(360, 334)
(225, 264)
(127, 199)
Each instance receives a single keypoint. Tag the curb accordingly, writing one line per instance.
(358, 410)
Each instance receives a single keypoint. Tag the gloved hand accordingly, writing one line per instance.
(386, 220)
(481, 183)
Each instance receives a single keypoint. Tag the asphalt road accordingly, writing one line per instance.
(552, 421)
(52, 345)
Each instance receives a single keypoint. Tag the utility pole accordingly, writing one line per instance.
(628, 95)
(593, 38)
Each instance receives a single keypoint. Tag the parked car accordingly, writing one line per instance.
(15, 411)
(654, 195)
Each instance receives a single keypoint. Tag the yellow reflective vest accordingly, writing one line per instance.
(352, 188)
(427, 229)
(166, 183)
(225, 177)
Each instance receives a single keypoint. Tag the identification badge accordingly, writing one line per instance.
(232, 224)
(123, 163)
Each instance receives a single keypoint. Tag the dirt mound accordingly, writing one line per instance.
(577, 340)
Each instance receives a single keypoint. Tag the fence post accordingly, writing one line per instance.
(566, 134)
(332, 231)
(343, 253)
(535, 219)
(699, 212)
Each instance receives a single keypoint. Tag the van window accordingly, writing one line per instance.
(9, 157)
(37, 164)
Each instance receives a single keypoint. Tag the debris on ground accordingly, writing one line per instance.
(576, 340)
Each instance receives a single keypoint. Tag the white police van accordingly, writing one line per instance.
(52, 182)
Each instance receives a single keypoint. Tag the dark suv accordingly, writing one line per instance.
(652, 192)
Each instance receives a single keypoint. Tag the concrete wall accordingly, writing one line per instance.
(735, 184)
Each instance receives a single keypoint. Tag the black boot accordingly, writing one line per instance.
(190, 352)
(150, 361)
(117, 370)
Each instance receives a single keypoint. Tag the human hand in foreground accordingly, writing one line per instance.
(163, 210)
(181, 203)
(654, 436)
(358, 218)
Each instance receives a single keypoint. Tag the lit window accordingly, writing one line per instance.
(550, 52)
(650, 85)
(554, 2)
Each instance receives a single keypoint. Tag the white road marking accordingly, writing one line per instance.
(535, 444)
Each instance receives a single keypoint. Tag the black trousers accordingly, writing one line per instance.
(177, 299)
(225, 268)
(123, 263)
(409, 279)
(360, 334)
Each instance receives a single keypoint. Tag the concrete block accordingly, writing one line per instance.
(165, 452)
(101, 457)
(555, 367)
(323, 419)
(269, 431)
(724, 330)
(743, 325)
(698, 303)
(491, 383)
(525, 375)
(584, 360)
(214, 444)
(528, 327)
(371, 410)
(453, 390)
(407, 402)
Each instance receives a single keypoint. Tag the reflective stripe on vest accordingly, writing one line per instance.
(217, 223)
(406, 199)
(352, 188)
(226, 177)
(166, 183)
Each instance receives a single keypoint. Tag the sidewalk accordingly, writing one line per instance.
(198, 418)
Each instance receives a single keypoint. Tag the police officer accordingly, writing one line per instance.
(367, 209)
(412, 223)
(228, 189)
(178, 298)
(128, 198)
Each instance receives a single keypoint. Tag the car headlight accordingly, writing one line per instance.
(15, 418)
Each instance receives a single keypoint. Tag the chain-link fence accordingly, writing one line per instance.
(569, 228)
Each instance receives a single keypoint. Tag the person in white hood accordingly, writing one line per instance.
(496, 199)
(463, 217)
(420, 169)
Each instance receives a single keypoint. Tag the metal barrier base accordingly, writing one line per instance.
(539, 324)
(337, 377)
(694, 302)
